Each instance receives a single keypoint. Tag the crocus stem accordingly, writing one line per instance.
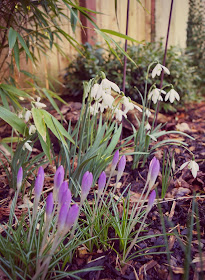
(105, 189)
(13, 206)
(93, 218)
(136, 236)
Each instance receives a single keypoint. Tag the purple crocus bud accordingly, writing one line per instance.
(151, 200)
(62, 189)
(86, 184)
(115, 160)
(101, 182)
(19, 178)
(66, 198)
(121, 167)
(58, 180)
(62, 216)
(153, 172)
(49, 205)
(72, 216)
(39, 182)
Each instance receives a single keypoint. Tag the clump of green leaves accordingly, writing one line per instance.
(96, 58)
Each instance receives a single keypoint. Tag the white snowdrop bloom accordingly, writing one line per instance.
(38, 104)
(119, 113)
(94, 90)
(107, 85)
(20, 115)
(155, 95)
(107, 100)
(192, 165)
(148, 113)
(27, 116)
(27, 146)
(172, 95)
(129, 105)
(32, 129)
(147, 127)
(94, 109)
(158, 69)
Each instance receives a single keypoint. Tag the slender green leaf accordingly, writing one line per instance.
(14, 91)
(39, 122)
(12, 38)
(120, 35)
(16, 55)
(73, 19)
(23, 43)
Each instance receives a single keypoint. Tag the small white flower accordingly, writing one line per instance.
(172, 95)
(27, 146)
(148, 126)
(32, 129)
(148, 113)
(192, 165)
(27, 116)
(94, 109)
(38, 104)
(94, 90)
(119, 113)
(20, 115)
(107, 100)
(107, 85)
(129, 105)
(158, 69)
(155, 95)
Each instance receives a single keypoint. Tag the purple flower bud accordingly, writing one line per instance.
(59, 177)
(72, 216)
(115, 160)
(86, 184)
(19, 178)
(39, 182)
(62, 189)
(121, 164)
(62, 216)
(66, 198)
(101, 182)
(151, 200)
(153, 172)
(49, 205)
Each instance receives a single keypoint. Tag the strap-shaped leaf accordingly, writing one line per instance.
(12, 38)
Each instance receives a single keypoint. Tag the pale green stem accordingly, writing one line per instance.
(33, 217)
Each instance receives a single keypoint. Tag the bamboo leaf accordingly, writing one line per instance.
(73, 19)
(39, 122)
(14, 91)
(12, 38)
(16, 55)
(23, 44)
(120, 35)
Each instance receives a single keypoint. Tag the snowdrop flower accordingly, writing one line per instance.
(32, 129)
(94, 109)
(119, 113)
(155, 95)
(27, 145)
(147, 127)
(107, 101)
(158, 69)
(20, 115)
(172, 95)
(129, 105)
(192, 165)
(107, 85)
(148, 113)
(95, 90)
(38, 104)
(27, 116)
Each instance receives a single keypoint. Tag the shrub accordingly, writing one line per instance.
(96, 58)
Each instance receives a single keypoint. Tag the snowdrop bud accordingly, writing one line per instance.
(101, 182)
(153, 171)
(121, 164)
(66, 198)
(72, 216)
(86, 184)
(19, 178)
(49, 205)
(58, 180)
(115, 160)
(39, 182)
(151, 200)
(62, 216)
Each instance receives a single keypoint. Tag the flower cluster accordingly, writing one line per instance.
(101, 94)
(156, 93)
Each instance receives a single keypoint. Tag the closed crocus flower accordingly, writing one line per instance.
(151, 200)
(86, 185)
(39, 182)
(49, 206)
(58, 180)
(101, 182)
(19, 178)
(121, 166)
(153, 172)
(72, 216)
(66, 198)
(115, 160)
(62, 217)
(62, 189)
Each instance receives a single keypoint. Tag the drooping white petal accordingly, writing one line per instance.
(27, 116)
(158, 69)
(166, 69)
(107, 85)
(27, 146)
(147, 126)
(32, 129)
(172, 95)
(148, 113)
(119, 113)
(184, 165)
(194, 168)
(40, 105)
(94, 90)
(107, 99)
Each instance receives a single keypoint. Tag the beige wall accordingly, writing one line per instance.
(178, 22)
